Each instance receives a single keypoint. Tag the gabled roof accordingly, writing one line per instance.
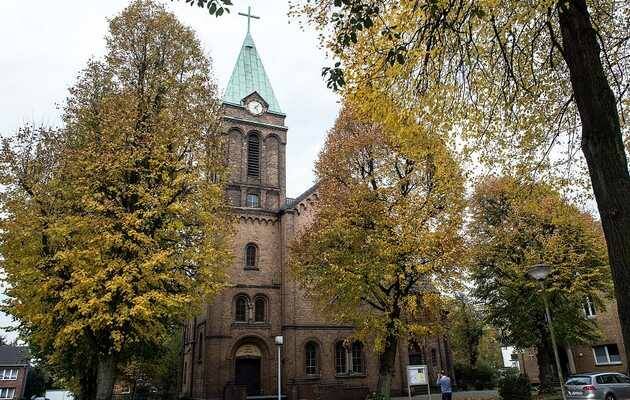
(249, 76)
(14, 355)
(292, 203)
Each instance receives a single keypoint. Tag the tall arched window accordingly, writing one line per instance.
(341, 365)
(200, 348)
(415, 354)
(310, 358)
(434, 357)
(240, 312)
(259, 309)
(357, 358)
(250, 256)
(253, 156)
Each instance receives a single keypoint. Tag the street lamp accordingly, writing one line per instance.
(279, 342)
(540, 272)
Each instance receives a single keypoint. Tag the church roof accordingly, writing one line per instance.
(248, 77)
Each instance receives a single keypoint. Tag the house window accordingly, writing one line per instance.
(589, 307)
(7, 393)
(253, 200)
(250, 256)
(253, 156)
(341, 365)
(357, 358)
(240, 314)
(606, 354)
(9, 374)
(259, 310)
(310, 358)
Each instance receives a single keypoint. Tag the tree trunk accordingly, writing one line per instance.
(105, 377)
(387, 363)
(87, 383)
(602, 146)
(545, 366)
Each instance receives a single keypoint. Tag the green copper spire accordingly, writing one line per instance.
(249, 75)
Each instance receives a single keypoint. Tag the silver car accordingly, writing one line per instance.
(598, 386)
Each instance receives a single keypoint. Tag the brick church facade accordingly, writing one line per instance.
(230, 350)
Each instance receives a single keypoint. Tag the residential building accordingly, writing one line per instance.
(14, 365)
(606, 354)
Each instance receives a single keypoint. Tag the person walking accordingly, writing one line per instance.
(444, 382)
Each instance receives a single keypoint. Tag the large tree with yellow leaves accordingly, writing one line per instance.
(113, 228)
(385, 239)
(514, 224)
(526, 83)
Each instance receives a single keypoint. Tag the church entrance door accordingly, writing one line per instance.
(248, 373)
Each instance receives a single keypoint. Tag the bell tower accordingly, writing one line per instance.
(257, 135)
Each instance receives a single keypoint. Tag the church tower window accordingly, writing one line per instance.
(240, 312)
(253, 156)
(253, 200)
(310, 358)
(251, 256)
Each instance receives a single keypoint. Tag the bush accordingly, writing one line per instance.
(515, 387)
(481, 377)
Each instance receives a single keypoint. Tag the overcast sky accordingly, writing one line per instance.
(46, 43)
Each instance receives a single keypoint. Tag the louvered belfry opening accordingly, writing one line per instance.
(253, 156)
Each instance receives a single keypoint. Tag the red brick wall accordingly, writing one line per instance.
(17, 384)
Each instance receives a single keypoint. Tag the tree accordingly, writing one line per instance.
(537, 80)
(385, 238)
(215, 7)
(516, 224)
(113, 226)
(37, 381)
(466, 330)
(158, 369)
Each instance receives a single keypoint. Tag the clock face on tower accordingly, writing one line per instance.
(255, 107)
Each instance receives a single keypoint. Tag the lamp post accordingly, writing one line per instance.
(279, 342)
(540, 272)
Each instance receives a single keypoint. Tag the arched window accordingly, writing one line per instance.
(200, 347)
(357, 358)
(253, 156)
(415, 354)
(341, 365)
(434, 359)
(250, 256)
(259, 309)
(240, 313)
(310, 358)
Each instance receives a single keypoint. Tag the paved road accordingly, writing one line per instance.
(473, 395)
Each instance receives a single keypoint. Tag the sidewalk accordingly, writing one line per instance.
(472, 395)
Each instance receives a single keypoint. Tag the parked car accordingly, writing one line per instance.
(598, 386)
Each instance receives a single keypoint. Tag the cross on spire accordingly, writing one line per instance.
(249, 17)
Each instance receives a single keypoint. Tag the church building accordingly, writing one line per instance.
(230, 350)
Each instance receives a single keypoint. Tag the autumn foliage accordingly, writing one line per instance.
(113, 227)
(385, 240)
(517, 223)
